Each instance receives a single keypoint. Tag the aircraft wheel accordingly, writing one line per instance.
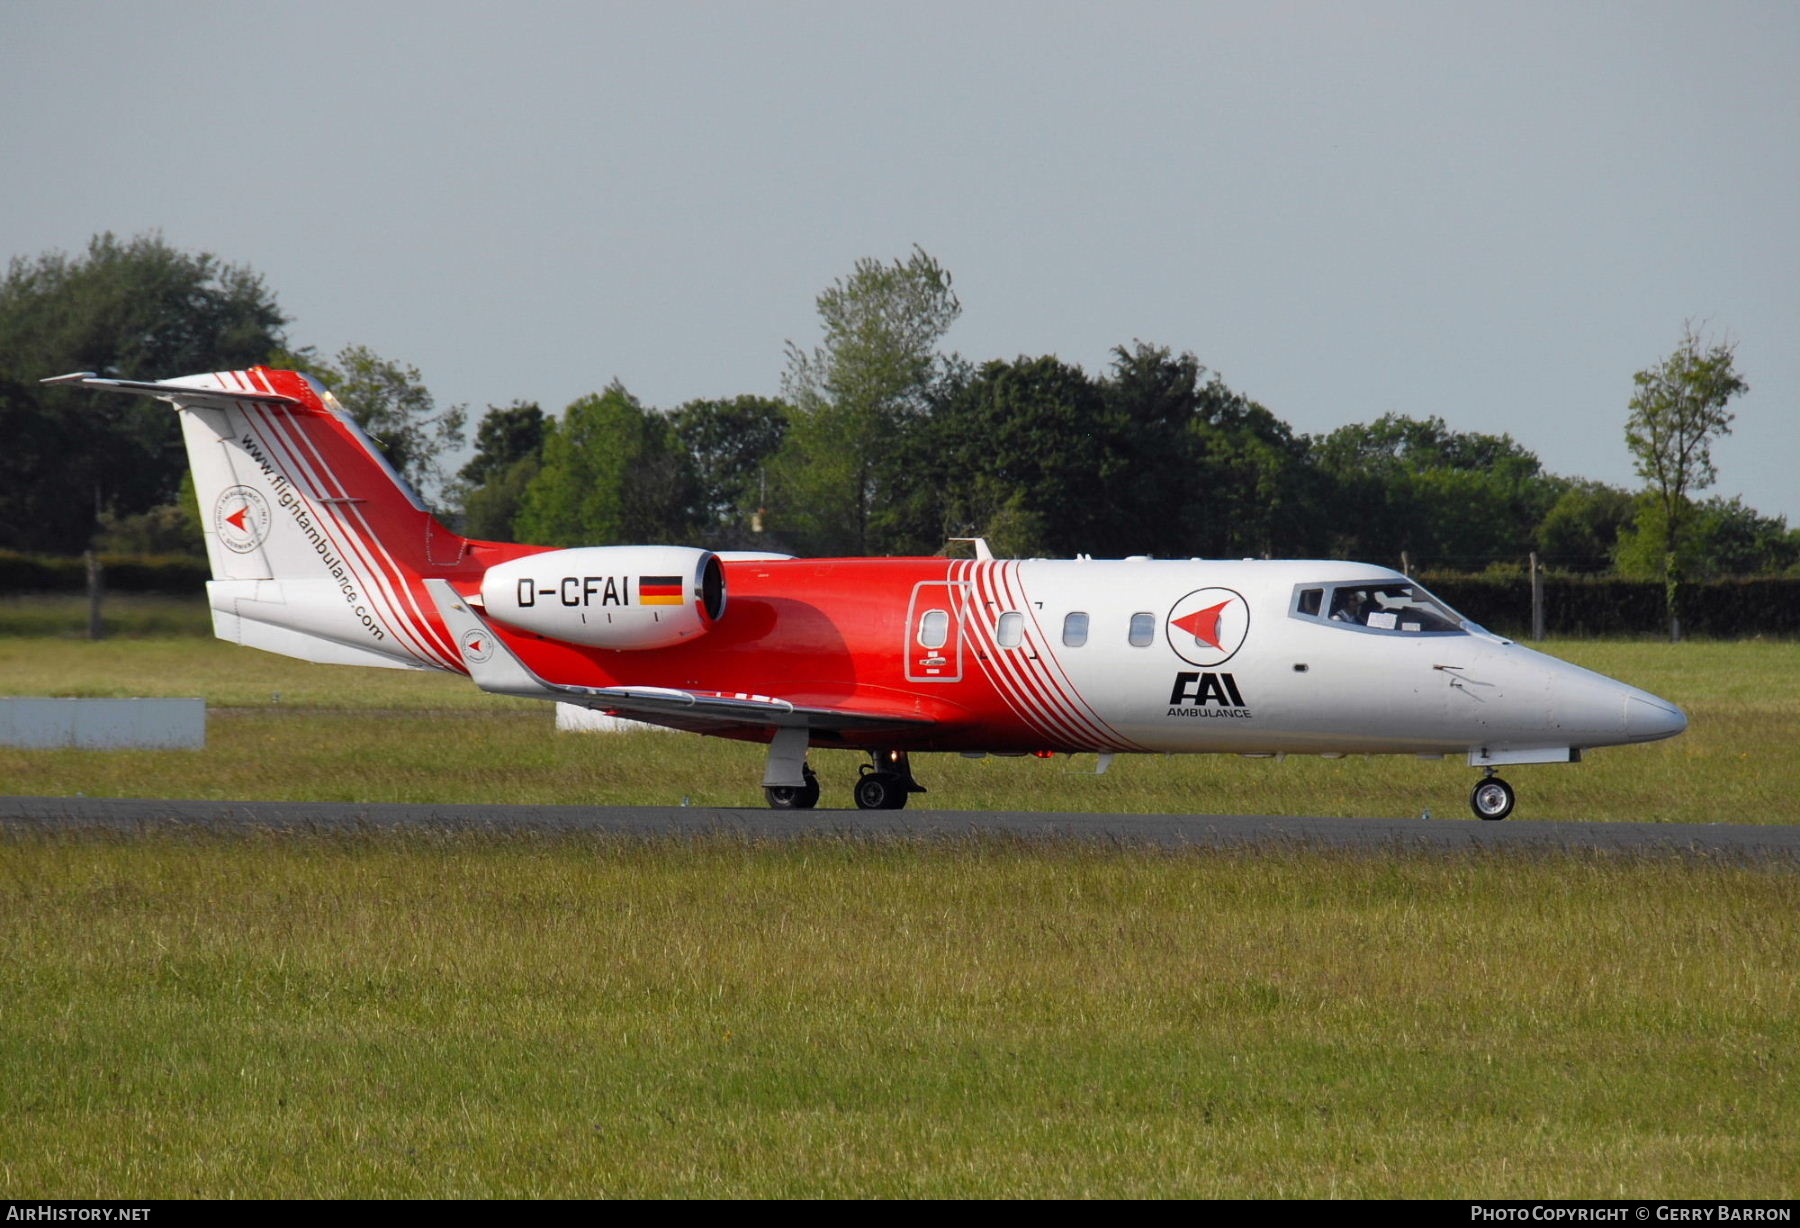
(880, 791)
(791, 797)
(1492, 798)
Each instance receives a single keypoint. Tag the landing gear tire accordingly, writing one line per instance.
(880, 791)
(1492, 799)
(794, 797)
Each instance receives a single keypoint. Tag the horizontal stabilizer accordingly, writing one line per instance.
(171, 390)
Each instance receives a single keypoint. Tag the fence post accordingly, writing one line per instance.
(95, 591)
(1537, 599)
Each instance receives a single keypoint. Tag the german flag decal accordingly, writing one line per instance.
(659, 590)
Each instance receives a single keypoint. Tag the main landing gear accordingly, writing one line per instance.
(1492, 797)
(885, 783)
(794, 797)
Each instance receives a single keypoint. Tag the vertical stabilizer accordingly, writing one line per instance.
(317, 548)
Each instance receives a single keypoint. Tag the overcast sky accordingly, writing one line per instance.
(1493, 213)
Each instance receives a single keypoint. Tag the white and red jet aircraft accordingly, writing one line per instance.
(319, 551)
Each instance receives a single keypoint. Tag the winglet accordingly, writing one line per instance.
(491, 664)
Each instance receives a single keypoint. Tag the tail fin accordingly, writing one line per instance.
(318, 549)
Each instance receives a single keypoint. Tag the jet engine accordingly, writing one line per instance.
(624, 597)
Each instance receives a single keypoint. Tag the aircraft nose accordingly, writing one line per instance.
(1594, 710)
(1648, 718)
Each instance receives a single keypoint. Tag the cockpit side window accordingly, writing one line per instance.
(1398, 607)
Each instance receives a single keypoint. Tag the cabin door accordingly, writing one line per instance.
(933, 651)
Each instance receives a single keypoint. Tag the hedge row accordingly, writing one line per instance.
(1573, 605)
(1588, 605)
(128, 573)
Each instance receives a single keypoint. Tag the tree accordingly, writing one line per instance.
(857, 391)
(1011, 452)
(504, 437)
(1152, 401)
(1209, 472)
(509, 446)
(728, 445)
(611, 475)
(1676, 413)
(1581, 530)
(137, 309)
(168, 528)
(1721, 537)
(1415, 485)
(1158, 457)
(389, 400)
(491, 511)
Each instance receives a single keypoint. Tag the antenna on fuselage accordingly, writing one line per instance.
(982, 553)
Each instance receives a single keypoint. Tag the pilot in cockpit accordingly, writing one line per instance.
(1348, 605)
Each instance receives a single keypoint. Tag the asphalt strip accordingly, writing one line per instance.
(1762, 841)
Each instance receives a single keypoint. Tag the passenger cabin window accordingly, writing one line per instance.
(1075, 629)
(1143, 630)
(934, 628)
(1011, 629)
(1398, 607)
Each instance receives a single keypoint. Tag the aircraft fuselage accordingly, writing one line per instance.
(1087, 655)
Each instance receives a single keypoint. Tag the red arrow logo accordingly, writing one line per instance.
(1203, 625)
(475, 646)
(238, 517)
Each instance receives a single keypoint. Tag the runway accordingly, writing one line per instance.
(1773, 842)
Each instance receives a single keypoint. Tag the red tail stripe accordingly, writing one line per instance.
(352, 546)
(308, 486)
(398, 584)
(409, 590)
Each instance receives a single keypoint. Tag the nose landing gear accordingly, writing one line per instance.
(1492, 797)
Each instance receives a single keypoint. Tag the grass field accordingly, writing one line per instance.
(283, 729)
(445, 1014)
(481, 1015)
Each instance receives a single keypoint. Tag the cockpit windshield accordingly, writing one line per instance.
(1398, 606)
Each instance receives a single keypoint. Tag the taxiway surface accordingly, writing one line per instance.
(1781, 842)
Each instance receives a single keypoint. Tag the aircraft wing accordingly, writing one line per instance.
(495, 668)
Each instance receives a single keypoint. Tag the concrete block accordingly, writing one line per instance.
(103, 724)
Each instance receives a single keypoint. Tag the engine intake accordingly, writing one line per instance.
(623, 597)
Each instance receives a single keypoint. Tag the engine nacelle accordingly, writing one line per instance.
(609, 596)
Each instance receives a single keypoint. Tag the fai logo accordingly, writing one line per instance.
(1207, 695)
(241, 519)
(477, 645)
(1208, 626)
